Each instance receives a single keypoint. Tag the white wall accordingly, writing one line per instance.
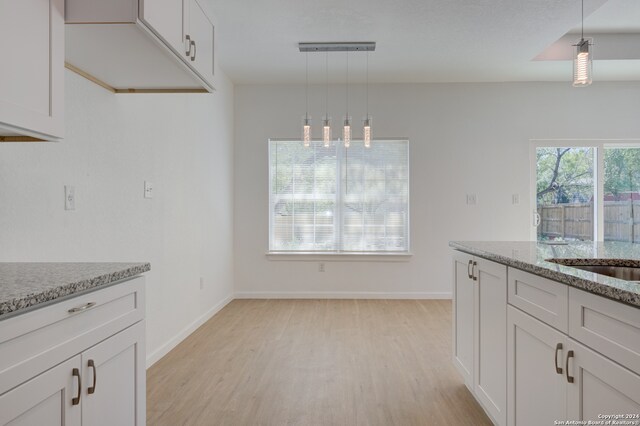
(465, 138)
(183, 144)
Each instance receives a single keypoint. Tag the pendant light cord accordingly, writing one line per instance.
(326, 69)
(582, 28)
(367, 87)
(347, 116)
(306, 85)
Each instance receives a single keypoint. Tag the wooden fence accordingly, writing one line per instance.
(575, 221)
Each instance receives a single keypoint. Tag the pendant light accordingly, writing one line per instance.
(346, 129)
(306, 123)
(583, 62)
(357, 46)
(326, 122)
(366, 129)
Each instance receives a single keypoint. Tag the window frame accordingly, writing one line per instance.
(598, 173)
(338, 255)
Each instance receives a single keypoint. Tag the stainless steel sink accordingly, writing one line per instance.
(627, 273)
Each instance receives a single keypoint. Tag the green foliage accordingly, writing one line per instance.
(622, 170)
(564, 175)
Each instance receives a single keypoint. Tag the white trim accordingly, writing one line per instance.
(156, 355)
(340, 295)
(338, 257)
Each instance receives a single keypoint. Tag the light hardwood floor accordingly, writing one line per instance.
(315, 362)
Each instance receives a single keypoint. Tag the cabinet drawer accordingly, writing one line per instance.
(542, 298)
(38, 340)
(611, 328)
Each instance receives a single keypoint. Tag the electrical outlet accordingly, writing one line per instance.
(148, 189)
(201, 283)
(69, 197)
(472, 199)
(515, 199)
(320, 267)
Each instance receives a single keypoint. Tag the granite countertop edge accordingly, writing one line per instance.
(569, 278)
(15, 305)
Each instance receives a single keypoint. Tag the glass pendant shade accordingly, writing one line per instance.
(366, 132)
(306, 131)
(583, 65)
(346, 132)
(326, 132)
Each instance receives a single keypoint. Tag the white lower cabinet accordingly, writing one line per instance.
(77, 362)
(114, 373)
(480, 300)
(45, 400)
(600, 386)
(535, 374)
(551, 377)
(534, 352)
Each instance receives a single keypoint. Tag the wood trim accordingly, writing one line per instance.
(161, 91)
(20, 139)
(112, 89)
(89, 77)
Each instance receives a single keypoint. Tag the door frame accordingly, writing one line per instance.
(598, 171)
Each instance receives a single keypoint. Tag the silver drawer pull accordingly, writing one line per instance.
(82, 308)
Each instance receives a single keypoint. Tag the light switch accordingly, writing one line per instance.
(148, 189)
(472, 199)
(69, 197)
(515, 199)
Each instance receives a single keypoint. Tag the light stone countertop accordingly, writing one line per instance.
(532, 257)
(25, 286)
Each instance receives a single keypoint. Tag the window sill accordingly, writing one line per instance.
(338, 257)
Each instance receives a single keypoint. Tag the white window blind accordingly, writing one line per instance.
(339, 199)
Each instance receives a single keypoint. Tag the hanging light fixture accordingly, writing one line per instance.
(346, 129)
(306, 123)
(583, 62)
(326, 122)
(366, 129)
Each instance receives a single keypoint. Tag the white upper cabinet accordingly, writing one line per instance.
(32, 70)
(162, 17)
(199, 37)
(138, 45)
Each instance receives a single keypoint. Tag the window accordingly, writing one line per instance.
(339, 200)
(587, 191)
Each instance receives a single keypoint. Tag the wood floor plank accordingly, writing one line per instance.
(315, 362)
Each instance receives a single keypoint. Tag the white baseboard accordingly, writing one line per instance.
(340, 295)
(155, 356)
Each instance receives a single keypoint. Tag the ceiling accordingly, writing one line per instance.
(423, 40)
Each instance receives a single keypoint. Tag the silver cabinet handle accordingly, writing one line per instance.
(555, 358)
(92, 389)
(76, 399)
(473, 271)
(187, 38)
(469, 269)
(566, 367)
(82, 308)
(193, 58)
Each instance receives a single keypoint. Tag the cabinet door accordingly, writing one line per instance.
(32, 71)
(490, 338)
(45, 400)
(164, 18)
(536, 390)
(200, 30)
(463, 316)
(114, 377)
(600, 386)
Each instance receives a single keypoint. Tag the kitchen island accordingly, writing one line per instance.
(538, 339)
(72, 343)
